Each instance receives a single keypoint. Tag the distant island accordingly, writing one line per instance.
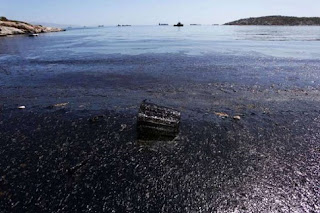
(279, 21)
(11, 27)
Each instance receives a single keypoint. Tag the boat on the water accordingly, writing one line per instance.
(178, 25)
(33, 34)
(163, 24)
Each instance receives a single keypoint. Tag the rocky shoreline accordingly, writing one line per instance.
(278, 21)
(10, 27)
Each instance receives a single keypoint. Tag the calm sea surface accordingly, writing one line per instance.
(297, 42)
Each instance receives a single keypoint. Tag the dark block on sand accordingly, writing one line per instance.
(157, 122)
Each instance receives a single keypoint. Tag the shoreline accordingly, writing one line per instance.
(10, 28)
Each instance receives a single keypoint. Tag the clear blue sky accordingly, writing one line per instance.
(145, 12)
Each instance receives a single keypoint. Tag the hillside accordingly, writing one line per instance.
(278, 20)
(10, 27)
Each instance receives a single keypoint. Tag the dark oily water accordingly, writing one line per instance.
(74, 148)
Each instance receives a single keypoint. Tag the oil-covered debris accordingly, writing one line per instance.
(59, 105)
(96, 119)
(157, 122)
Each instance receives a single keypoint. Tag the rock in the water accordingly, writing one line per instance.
(157, 122)
(11, 27)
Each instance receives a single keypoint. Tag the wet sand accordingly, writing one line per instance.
(84, 155)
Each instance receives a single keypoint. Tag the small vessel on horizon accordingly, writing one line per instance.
(178, 25)
(163, 24)
(195, 24)
(33, 34)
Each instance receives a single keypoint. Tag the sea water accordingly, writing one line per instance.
(280, 41)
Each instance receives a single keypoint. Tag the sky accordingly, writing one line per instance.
(150, 12)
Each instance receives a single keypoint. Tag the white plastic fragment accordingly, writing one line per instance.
(237, 117)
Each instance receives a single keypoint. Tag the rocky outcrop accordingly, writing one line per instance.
(278, 20)
(9, 27)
